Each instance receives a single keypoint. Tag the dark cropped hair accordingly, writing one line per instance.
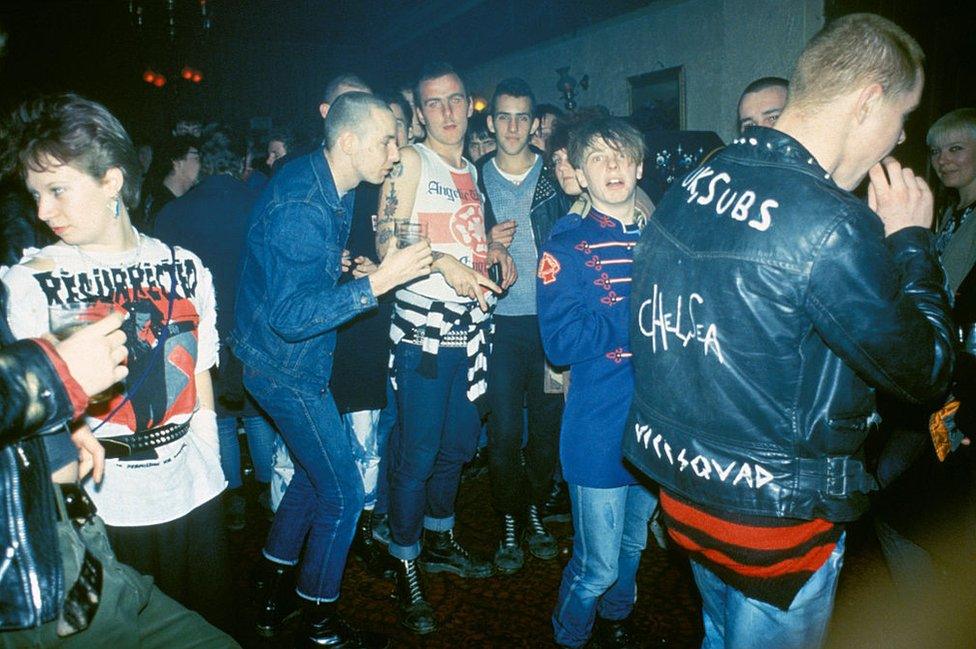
(478, 127)
(765, 82)
(284, 135)
(347, 80)
(513, 87)
(434, 70)
(559, 138)
(547, 109)
(72, 130)
(401, 101)
(222, 152)
(616, 132)
(351, 112)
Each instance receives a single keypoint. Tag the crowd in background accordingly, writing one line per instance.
(418, 290)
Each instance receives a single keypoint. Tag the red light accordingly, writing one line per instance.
(148, 76)
(187, 73)
(159, 81)
(197, 77)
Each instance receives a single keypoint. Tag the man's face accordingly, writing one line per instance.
(761, 108)
(882, 129)
(417, 132)
(608, 174)
(376, 148)
(565, 173)
(444, 109)
(276, 151)
(954, 159)
(479, 146)
(188, 167)
(402, 127)
(512, 123)
(541, 136)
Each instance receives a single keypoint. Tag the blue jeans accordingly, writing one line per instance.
(369, 432)
(438, 433)
(325, 496)
(260, 441)
(389, 419)
(610, 534)
(733, 620)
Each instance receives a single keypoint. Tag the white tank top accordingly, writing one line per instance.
(449, 202)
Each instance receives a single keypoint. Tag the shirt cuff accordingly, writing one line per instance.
(363, 293)
(77, 396)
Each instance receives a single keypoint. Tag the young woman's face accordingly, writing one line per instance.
(77, 207)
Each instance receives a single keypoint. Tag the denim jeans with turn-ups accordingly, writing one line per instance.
(325, 495)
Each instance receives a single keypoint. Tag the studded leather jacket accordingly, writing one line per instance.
(767, 307)
(32, 400)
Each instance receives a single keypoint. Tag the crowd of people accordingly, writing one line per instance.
(748, 365)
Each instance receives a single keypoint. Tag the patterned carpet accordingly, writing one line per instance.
(514, 611)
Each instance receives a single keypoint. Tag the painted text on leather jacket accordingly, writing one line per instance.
(767, 307)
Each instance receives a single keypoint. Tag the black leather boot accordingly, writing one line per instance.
(274, 594)
(416, 613)
(542, 544)
(557, 506)
(615, 634)
(509, 557)
(442, 553)
(372, 553)
(322, 626)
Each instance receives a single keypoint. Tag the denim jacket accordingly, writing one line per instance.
(768, 306)
(289, 302)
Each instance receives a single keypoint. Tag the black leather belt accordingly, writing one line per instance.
(143, 440)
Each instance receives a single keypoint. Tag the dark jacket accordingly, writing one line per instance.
(548, 203)
(768, 307)
(289, 302)
(211, 221)
(31, 581)
(362, 354)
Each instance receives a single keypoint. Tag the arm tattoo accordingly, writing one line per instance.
(436, 255)
(391, 202)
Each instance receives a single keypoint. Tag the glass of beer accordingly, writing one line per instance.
(66, 319)
(408, 233)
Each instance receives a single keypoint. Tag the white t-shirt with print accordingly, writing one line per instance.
(139, 490)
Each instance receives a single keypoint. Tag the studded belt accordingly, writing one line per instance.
(143, 440)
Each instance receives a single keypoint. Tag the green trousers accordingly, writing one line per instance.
(132, 613)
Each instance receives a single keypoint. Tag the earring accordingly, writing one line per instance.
(116, 209)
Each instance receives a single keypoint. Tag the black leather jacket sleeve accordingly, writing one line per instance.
(32, 396)
(881, 305)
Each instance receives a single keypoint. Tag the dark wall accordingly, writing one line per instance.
(944, 29)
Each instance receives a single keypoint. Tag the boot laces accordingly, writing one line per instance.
(414, 589)
(510, 532)
(535, 522)
(457, 546)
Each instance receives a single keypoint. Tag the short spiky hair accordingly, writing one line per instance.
(347, 80)
(434, 70)
(512, 87)
(853, 50)
(616, 132)
(69, 129)
(351, 112)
